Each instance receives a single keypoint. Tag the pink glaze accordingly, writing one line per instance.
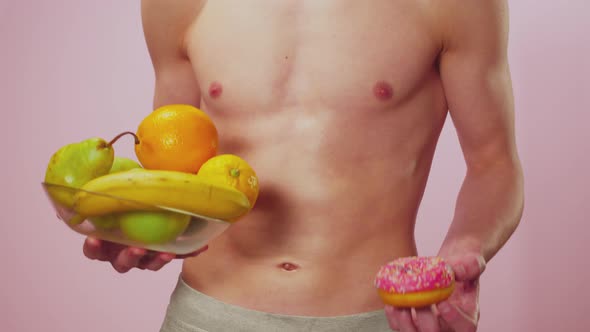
(412, 274)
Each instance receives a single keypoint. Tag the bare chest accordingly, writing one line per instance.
(344, 54)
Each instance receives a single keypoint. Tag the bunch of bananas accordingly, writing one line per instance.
(145, 189)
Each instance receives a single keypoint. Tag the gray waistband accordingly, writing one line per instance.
(191, 310)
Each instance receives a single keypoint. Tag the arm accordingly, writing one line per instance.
(476, 79)
(165, 24)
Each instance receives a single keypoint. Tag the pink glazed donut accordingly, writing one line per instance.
(415, 281)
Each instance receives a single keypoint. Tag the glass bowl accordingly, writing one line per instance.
(157, 228)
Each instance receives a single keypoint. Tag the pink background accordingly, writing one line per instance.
(72, 69)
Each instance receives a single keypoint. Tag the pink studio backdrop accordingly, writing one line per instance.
(73, 69)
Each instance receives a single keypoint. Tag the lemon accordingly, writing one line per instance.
(232, 170)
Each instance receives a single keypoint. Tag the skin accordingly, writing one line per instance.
(338, 106)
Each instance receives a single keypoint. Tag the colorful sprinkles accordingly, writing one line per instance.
(413, 274)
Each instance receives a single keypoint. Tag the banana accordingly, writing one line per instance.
(143, 189)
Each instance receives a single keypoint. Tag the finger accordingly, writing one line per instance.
(425, 320)
(392, 317)
(158, 261)
(193, 254)
(127, 259)
(444, 327)
(93, 249)
(405, 321)
(456, 319)
(467, 267)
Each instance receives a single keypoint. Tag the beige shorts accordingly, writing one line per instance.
(192, 311)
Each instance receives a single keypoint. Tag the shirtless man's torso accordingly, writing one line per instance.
(338, 106)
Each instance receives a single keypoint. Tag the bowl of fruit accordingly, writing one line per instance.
(178, 197)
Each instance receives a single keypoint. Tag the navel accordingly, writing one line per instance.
(288, 266)
(383, 90)
(215, 90)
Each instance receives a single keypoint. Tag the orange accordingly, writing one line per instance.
(176, 137)
(232, 170)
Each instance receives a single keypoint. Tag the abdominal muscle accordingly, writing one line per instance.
(334, 205)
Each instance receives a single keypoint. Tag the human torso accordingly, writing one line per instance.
(337, 105)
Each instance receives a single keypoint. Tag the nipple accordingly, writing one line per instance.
(215, 90)
(383, 90)
(288, 266)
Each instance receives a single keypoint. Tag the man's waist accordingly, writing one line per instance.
(301, 293)
(192, 307)
(292, 284)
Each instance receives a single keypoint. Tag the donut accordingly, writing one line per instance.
(415, 281)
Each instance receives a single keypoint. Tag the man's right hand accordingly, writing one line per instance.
(124, 258)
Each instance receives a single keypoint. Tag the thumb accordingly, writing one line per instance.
(468, 267)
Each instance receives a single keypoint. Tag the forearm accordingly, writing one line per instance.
(176, 85)
(488, 210)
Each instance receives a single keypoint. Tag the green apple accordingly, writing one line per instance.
(110, 222)
(149, 227)
(121, 164)
(105, 223)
